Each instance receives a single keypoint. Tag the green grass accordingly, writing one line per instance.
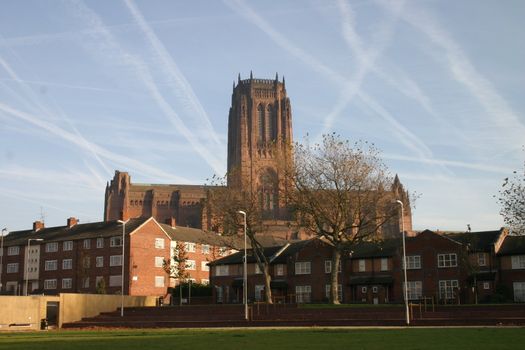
(253, 339)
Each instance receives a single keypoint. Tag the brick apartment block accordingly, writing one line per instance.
(448, 268)
(87, 258)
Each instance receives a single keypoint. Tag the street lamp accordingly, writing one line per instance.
(27, 261)
(123, 259)
(245, 274)
(404, 261)
(2, 256)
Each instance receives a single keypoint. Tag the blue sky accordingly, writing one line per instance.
(87, 87)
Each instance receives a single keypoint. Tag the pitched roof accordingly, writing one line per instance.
(482, 241)
(512, 245)
(384, 248)
(79, 231)
(187, 234)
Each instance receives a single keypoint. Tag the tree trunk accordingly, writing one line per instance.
(267, 284)
(334, 276)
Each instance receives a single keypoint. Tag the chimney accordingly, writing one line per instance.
(72, 221)
(171, 221)
(38, 225)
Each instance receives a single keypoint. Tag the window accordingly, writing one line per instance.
(328, 288)
(447, 260)
(223, 251)
(189, 247)
(115, 241)
(115, 281)
(85, 282)
(51, 247)
(364, 290)
(375, 289)
(50, 265)
(205, 281)
(415, 290)
(258, 270)
(159, 281)
(222, 270)
(67, 245)
(190, 265)
(115, 260)
(259, 292)
(14, 250)
(519, 291)
(99, 280)
(50, 284)
(100, 242)
(279, 270)
(447, 289)
(481, 259)
(67, 283)
(12, 268)
(159, 261)
(67, 264)
(86, 244)
(486, 285)
(204, 266)
(384, 264)
(413, 262)
(362, 265)
(159, 243)
(99, 261)
(327, 266)
(205, 249)
(303, 294)
(302, 268)
(518, 262)
(86, 262)
(260, 123)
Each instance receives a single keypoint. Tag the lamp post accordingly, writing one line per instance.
(245, 273)
(2, 256)
(123, 259)
(27, 261)
(404, 262)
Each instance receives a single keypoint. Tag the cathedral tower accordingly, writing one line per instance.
(259, 134)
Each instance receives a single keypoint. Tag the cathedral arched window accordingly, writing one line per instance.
(268, 193)
(270, 125)
(260, 123)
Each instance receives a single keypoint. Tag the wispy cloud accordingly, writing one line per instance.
(102, 43)
(464, 72)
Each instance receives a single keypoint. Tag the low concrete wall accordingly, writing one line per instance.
(74, 307)
(23, 312)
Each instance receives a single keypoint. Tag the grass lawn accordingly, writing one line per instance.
(305, 338)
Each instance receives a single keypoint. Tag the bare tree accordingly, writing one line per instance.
(512, 200)
(340, 193)
(176, 266)
(223, 205)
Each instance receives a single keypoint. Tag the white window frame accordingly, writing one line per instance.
(191, 265)
(328, 288)
(67, 283)
(303, 294)
(189, 247)
(67, 264)
(482, 259)
(67, 246)
(384, 264)
(204, 266)
(115, 280)
(413, 262)
(448, 289)
(115, 260)
(414, 290)
(519, 291)
(115, 241)
(159, 281)
(13, 250)
(159, 243)
(50, 284)
(100, 242)
(85, 282)
(159, 261)
(303, 268)
(222, 270)
(86, 244)
(205, 249)
(51, 247)
(362, 265)
(279, 270)
(99, 261)
(486, 285)
(51, 265)
(12, 268)
(447, 260)
(205, 281)
(518, 262)
(328, 266)
(364, 289)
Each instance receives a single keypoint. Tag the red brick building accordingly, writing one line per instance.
(87, 258)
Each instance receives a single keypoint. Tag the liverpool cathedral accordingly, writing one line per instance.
(259, 130)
